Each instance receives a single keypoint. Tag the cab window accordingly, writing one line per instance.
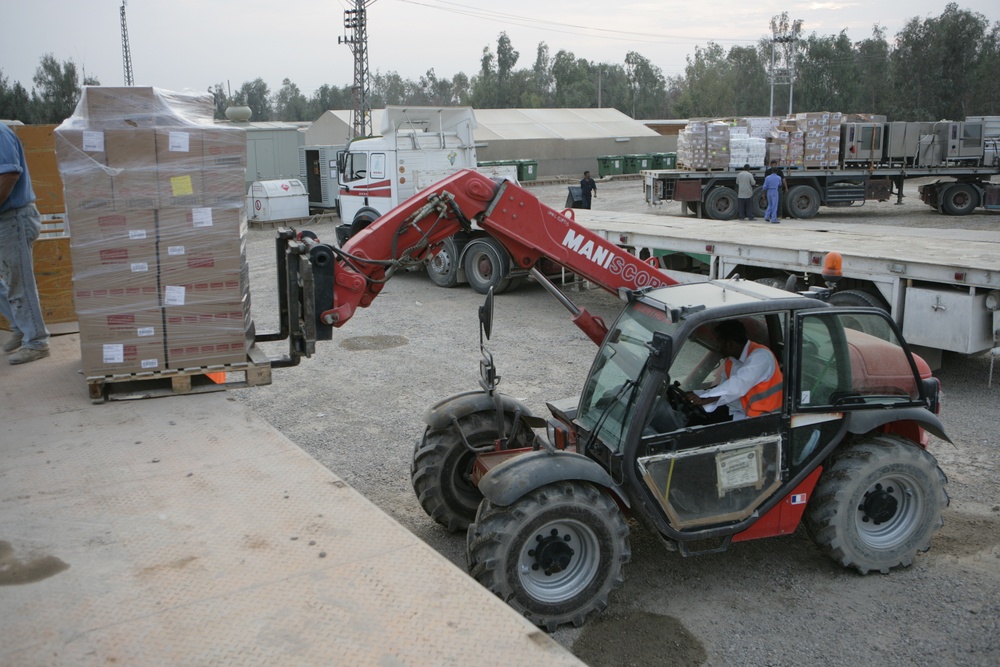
(852, 359)
(355, 166)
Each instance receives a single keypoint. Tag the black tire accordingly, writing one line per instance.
(487, 265)
(759, 202)
(690, 207)
(442, 268)
(441, 469)
(878, 504)
(721, 204)
(960, 199)
(362, 220)
(802, 202)
(554, 555)
(862, 299)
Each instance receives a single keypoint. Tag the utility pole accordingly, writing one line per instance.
(356, 37)
(126, 51)
(783, 59)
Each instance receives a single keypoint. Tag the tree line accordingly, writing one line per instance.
(934, 68)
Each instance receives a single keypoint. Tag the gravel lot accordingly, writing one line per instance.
(357, 407)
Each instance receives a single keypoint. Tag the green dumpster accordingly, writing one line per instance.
(610, 165)
(635, 163)
(664, 161)
(527, 170)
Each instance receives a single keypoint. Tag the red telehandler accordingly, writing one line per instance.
(544, 501)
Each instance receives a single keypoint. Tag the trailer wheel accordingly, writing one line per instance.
(802, 201)
(960, 199)
(759, 201)
(441, 470)
(862, 299)
(442, 268)
(487, 265)
(554, 555)
(878, 504)
(720, 203)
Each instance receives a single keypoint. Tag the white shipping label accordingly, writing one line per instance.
(137, 234)
(201, 217)
(150, 363)
(806, 397)
(140, 267)
(146, 331)
(93, 142)
(175, 250)
(114, 353)
(738, 469)
(173, 295)
(180, 142)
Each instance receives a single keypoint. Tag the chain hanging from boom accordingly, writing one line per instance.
(356, 37)
(126, 51)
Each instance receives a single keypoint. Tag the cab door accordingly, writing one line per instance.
(702, 474)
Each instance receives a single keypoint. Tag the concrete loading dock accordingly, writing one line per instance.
(187, 531)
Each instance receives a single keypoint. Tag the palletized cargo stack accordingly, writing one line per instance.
(717, 140)
(692, 150)
(154, 199)
(786, 145)
(745, 149)
(821, 135)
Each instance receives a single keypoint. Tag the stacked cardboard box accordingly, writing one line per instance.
(692, 150)
(786, 145)
(745, 149)
(154, 197)
(717, 143)
(821, 133)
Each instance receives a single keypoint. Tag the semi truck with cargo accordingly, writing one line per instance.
(848, 163)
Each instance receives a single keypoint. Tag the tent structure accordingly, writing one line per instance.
(562, 141)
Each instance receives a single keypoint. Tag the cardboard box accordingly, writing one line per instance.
(208, 334)
(179, 166)
(83, 167)
(131, 158)
(121, 358)
(99, 298)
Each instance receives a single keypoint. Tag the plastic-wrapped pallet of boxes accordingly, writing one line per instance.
(717, 139)
(786, 145)
(154, 204)
(744, 149)
(821, 132)
(692, 151)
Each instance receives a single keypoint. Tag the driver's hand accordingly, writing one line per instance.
(695, 399)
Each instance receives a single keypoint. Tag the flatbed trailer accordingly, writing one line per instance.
(959, 190)
(941, 286)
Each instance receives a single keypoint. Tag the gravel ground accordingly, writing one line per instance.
(357, 407)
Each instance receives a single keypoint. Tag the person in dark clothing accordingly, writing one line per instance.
(588, 189)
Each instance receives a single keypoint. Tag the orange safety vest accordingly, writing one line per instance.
(763, 397)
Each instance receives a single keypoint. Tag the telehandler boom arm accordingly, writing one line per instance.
(527, 229)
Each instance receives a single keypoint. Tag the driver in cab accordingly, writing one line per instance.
(750, 379)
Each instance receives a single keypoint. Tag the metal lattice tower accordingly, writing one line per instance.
(783, 63)
(356, 37)
(126, 51)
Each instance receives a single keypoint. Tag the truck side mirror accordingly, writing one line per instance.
(486, 315)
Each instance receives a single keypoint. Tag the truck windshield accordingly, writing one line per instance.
(609, 395)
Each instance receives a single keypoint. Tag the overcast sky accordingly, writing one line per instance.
(194, 44)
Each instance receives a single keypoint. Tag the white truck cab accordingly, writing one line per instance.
(377, 173)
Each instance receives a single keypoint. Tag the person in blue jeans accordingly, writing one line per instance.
(20, 225)
(772, 186)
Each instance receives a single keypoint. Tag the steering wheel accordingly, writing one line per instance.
(679, 401)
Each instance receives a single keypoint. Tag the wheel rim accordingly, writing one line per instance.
(483, 266)
(441, 263)
(888, 511)
(559, 560)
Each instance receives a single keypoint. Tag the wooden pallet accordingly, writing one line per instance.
(254, 372)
